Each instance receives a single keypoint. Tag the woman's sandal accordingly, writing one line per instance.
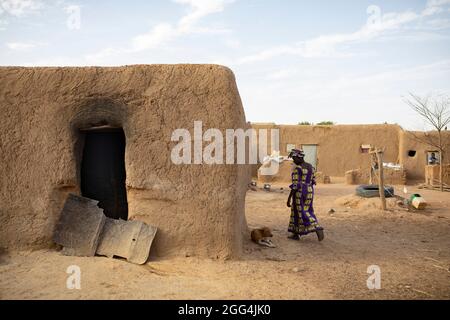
(320, 234)
(294, 237)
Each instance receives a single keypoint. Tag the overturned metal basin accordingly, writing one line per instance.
(84, 230)
(127, 239)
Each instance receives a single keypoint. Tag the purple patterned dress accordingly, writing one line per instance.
(303, 219)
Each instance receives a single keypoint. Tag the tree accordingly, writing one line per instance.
(435, 110)
(305, 123)
(326, 123)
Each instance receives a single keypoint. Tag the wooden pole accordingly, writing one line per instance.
(372, 162)
(381, 178)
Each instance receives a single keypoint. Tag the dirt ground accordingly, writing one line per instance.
(412, 250)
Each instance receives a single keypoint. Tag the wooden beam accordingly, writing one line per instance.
(105, 128)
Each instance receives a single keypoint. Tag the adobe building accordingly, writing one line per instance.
(106, 133)
(336, 149)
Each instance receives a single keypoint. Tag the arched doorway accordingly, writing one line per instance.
(103, 170)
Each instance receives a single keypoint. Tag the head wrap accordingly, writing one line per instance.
(296, 153)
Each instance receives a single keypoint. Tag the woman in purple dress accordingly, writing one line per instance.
(300, 200)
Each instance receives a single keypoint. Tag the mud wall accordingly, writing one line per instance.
(199, 209)
(419, 142)
(339, 146)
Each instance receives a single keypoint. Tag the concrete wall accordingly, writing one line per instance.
(199, 209)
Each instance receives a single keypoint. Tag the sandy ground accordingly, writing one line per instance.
(412, 250)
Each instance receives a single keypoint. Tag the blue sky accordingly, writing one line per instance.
(345, 61)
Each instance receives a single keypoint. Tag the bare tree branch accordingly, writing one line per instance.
(435, 110)
(427, 139)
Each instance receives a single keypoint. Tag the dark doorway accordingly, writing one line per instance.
(103, 171)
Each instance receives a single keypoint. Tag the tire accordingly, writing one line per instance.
(372, 191)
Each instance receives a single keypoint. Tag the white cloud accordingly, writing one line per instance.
(165, 32)
(159, 34)
(429, 11)
(436, 3)
(19, 46)
(19, 8)
(199, 9)
(327, 45)
(23, 46)
(435, 6)
(438, 24)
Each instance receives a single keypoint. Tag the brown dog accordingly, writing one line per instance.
(261, 236)
(258, 234)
